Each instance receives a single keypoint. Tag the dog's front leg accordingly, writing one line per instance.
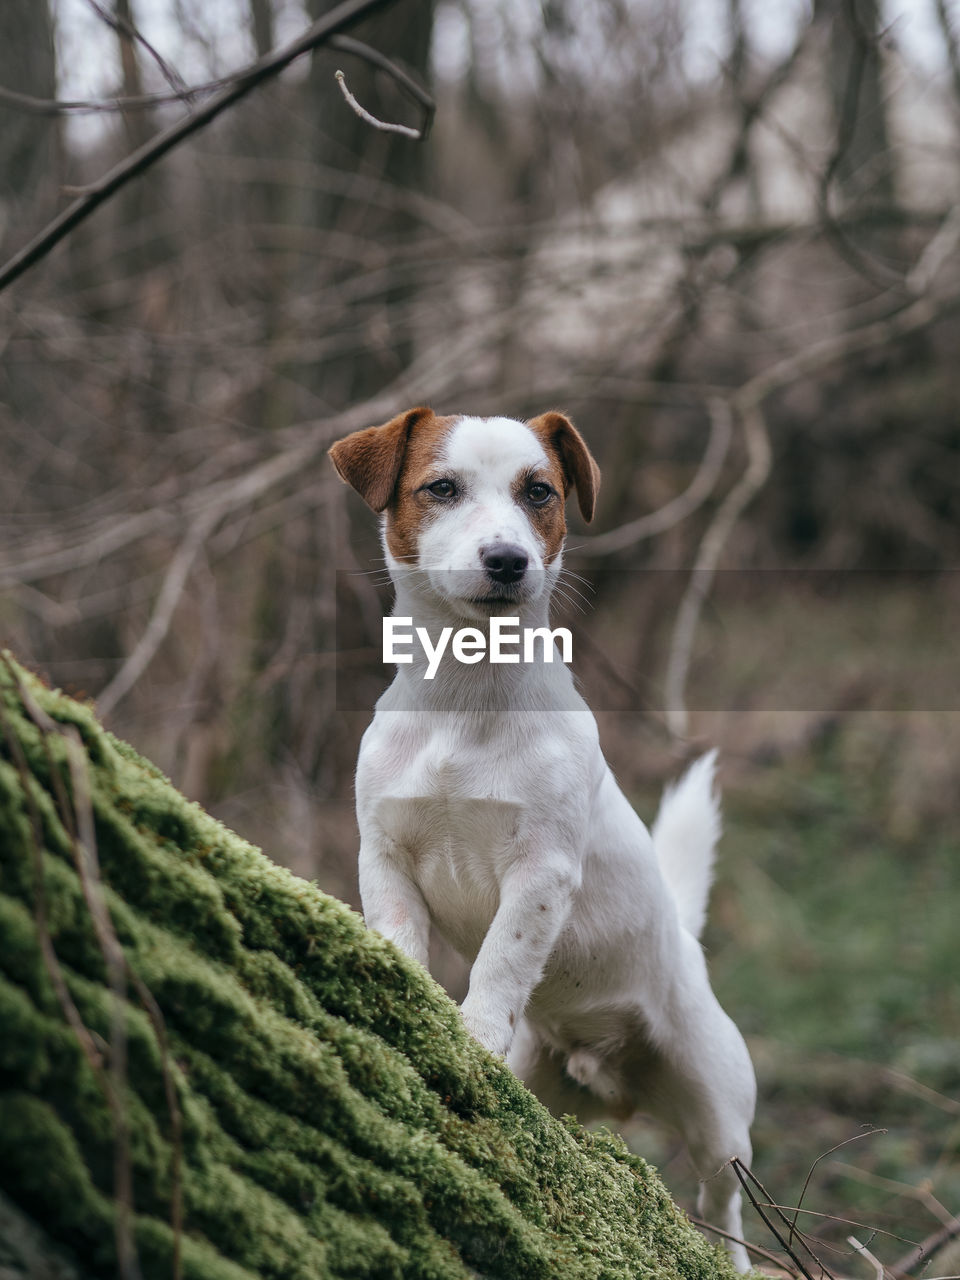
(535, 899)
(392, 902)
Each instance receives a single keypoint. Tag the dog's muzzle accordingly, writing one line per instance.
(505, 563)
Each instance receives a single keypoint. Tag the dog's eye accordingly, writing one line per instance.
(539, 493)
(442, 489)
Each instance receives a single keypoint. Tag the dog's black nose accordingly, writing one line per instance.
(505, 563)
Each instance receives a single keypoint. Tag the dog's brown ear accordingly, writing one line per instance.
(370, 460)
(580, 471)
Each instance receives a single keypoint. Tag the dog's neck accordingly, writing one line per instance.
(483, 688)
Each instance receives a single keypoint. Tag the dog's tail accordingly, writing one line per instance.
(685, 836)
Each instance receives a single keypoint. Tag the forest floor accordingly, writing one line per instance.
(833, 940)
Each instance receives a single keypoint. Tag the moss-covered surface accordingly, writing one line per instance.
(336, 1118)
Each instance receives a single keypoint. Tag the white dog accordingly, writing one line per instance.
(486, 807)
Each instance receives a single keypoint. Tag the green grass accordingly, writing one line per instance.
(830, 932)
(834, 941)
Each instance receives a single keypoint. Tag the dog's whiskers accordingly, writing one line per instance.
(570, 601)
(567, 572)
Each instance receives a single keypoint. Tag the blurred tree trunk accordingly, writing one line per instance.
(863, 161)
(297, 610)
(262, 133)
(281, 706)
(30, 174)
(261, 19)
(29, 144)
(341, 139)
(142, 201)
(137, 124)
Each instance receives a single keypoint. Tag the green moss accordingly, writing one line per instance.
(337, 1120)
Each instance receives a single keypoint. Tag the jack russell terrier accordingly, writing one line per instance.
(486, 808)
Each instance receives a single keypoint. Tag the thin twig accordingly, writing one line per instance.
(427, 378)
(708, 555)
(906, 1265)
(95, 106)
(857, 1137)
(938, 249)
(784, 1209)
(781, 1211)
(740, 1170)
(746, 404)
(127, 30)
(348, 44)
(922, 1194)
(384, 126)
(146, 156)
(756, 1249)
(866, 265)
(684, 505)
(752, 109)
(168, 598)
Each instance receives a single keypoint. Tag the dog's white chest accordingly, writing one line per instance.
(457, 832)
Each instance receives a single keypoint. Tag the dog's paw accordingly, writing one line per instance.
(492, 1032)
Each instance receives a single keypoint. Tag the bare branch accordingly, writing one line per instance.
(679, 508)
(756, 1249)
(783, 1209)
(383, 125)
(746, 405)
(123, 26)
(89, 106)
(937, 251)
(146, 156)
(347, 44)
(116, 533)
(922, 1193)
(425, 379)
(752, 109)
(168, 598)
(857, 1137)
(182, 92)
(745, 1178)
(711, 546)
(906, 1265)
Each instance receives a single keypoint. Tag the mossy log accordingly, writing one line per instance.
(252, 1084)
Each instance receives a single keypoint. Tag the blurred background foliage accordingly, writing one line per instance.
(711, 231)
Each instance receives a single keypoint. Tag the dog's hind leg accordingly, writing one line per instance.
(703, 1085)
(716, 1132)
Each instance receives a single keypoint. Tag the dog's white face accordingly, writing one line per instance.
(473, 507)
(489, 538)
